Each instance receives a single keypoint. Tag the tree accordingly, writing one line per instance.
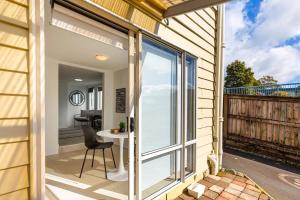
(268, 80)
(238, 74)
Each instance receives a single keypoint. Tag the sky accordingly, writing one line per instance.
(266, 35)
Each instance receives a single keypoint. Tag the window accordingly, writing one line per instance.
(159, 96)
(190, 113)
(91, 99)
(159, 117)
(99, 98)
(95, 96)
(167, 116)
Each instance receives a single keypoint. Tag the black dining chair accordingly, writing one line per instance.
(91, 143)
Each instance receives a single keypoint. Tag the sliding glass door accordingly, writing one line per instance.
(166, 108)
(159, 116)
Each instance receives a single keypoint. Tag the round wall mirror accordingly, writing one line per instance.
(76, 98)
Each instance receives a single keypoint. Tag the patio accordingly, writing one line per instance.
(229, 186)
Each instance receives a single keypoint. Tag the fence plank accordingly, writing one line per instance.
(272, 119)
(269, 132)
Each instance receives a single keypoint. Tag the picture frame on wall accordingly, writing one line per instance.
(121, 100)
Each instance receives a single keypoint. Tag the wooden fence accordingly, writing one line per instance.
(268, 125)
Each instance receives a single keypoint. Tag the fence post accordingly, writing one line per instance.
(225, 115)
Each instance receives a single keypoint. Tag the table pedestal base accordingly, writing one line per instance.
(115, 175)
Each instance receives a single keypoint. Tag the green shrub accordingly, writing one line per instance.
(280, 94)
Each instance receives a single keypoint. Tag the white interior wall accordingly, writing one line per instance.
(51, 107)
(63, 104)
(120, 81)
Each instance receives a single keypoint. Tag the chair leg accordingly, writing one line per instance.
(83, 163)
(93, 158)
(112, 153)
(104, 163)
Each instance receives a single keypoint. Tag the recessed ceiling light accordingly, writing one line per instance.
(78, 79)
(101, 57)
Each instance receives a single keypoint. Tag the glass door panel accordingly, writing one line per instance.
(158, 97)
(159, 172)
(160, 94)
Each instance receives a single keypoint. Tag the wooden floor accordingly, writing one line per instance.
(62, 172)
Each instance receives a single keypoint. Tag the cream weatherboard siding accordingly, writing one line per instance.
(14, 113)
(194, 32)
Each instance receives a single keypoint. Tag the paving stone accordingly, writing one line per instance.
(211, 194)
(247, 197)
(239, 183)
(249, 182)
(217, 178)
(263, 196)
(206, 184)
(228, 196)
(251, 187)
(204, 198)
(186, 197)
(233, 191)
(240, 174)
(230, 176)
(220, 198)
(241, 179)
(228, 180)
(213, 181)
(216, 189)
(252, 193)
(222, 184)
(236, 187)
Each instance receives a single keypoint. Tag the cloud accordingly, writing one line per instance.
(262, 43)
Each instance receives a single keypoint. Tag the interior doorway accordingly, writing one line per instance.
(87, 84)
(80, 103)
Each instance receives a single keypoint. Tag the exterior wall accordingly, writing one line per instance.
(191, 34)
(14, 100)
(194, 32)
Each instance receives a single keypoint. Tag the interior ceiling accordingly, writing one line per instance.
(80, 48)
(69, 73)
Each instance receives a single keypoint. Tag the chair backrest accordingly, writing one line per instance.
(90, 139)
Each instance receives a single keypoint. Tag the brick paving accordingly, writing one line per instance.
(228, 186)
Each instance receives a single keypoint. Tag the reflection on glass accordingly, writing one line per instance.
(190, 99)
(158, 97)
(159, 172)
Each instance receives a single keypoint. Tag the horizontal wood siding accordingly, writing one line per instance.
(14, 125)
(195, 32)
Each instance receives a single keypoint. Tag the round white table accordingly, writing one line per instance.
(121, 173)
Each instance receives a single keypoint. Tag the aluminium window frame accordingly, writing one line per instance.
(192, 142)
(181, 115)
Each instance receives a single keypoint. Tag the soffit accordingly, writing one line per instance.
(169, 8)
